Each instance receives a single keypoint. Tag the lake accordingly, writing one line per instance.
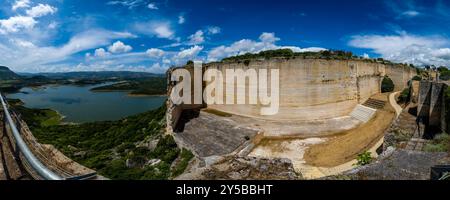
(78, 104)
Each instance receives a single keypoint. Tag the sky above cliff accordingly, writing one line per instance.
(152, 35)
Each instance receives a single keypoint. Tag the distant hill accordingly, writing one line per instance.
(99, 75)
(7, 74)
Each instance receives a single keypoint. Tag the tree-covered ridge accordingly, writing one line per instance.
(143, 86)
(7, 74)
(288, 54)
(132, 148)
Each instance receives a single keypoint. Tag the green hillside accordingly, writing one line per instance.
(7, 74)
(132, 148)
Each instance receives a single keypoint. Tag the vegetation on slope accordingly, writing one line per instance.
(7, 74)
(440, 143)
(444, 73)
(145, 86)
(132, 148)
(288, 54)
(387, 85)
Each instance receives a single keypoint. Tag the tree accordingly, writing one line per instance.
(387, 85)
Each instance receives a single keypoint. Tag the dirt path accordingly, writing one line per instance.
(393, 102)
(346, 147)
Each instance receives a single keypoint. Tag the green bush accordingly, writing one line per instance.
(185, 157)
(364, 158)
(404, 96)
(440, 143)
(387, 85)
(417, 78)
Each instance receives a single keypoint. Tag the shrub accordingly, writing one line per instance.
(404, 96)
(387, 85)
(364, 158)
(417, 78)
(440, 143)
(185, 157)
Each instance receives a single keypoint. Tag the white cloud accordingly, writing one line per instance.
(53, 25)
(152, 6)
(157, 69)
(155, 53)
(156, 28)
(128, 3)
(16, 23)
(27, 57)
(268, 38)
(101, 52)
(410, 13)
(181, 19)
(119, 47)
(266, 42)
(21, 4)
(212, 30)
(365, 55)
(407, 48)
(41, 10)
(188, 54)
(196, 38)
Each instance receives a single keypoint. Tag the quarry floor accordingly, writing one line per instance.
(317, 157)
(316, 149)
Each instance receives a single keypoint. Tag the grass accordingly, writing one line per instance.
(185, 157)
(440, 143)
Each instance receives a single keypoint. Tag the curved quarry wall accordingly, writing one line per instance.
(312, 89)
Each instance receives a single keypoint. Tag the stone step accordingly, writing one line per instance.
(374, 103)
(363, 113)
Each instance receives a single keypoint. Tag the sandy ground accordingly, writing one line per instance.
(323, 156)
(292, 149)
(346, 147)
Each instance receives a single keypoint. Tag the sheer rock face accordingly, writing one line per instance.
(309, 89)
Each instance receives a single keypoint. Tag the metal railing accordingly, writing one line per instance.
(34, 162)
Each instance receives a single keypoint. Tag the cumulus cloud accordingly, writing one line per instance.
(157, 69)
(21, 4)
(212, 30)
(155, 53)
(156, 28)
(181, 19)
(41, 10)
(188, 54)
(266, 42)
(16, 24)
(406, 48)
(17, 55)
(101, 52)
(119, 47)
(152, 6)
(268, 38)
(196, 38)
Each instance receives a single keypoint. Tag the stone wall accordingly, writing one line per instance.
(310, 89)
(432, 105)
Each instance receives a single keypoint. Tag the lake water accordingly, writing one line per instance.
(78, 104)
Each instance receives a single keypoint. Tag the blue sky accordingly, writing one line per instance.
(152, 35)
